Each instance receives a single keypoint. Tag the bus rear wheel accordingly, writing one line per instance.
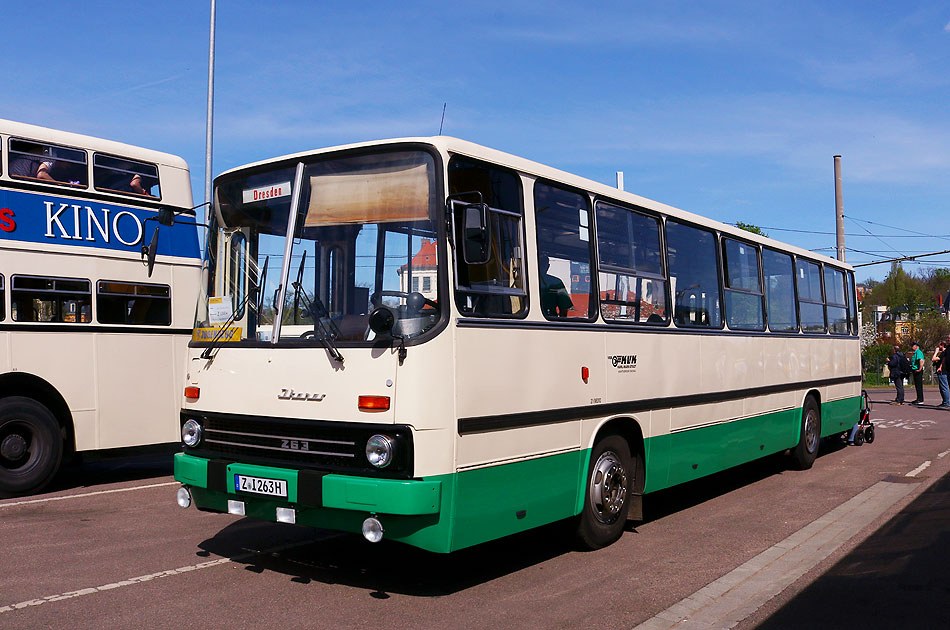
(31, 446)
(803, 455)
(607, 497)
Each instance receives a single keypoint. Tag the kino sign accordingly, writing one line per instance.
(123, 225)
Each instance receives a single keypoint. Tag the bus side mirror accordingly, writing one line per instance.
(149, 251)
(476, 234)
(381, 320)
(166, 216)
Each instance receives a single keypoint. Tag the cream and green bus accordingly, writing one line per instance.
(430, 341)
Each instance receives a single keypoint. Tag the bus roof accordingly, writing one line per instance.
(80, 141)
(450, 145)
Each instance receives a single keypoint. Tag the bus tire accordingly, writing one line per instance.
(31, 446)
(607, 493)
(803, 455)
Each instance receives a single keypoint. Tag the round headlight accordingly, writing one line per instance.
(191, 433)
(379, 451)
(183, 497)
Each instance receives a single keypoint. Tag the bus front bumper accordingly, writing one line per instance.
(409, 509)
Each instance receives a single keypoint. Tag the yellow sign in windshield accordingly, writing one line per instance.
(233, 333)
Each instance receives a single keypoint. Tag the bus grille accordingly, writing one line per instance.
(293, 443)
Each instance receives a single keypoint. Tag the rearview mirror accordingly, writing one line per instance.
(476, 234)
(149, 251)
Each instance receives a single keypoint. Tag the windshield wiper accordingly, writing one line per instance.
(327, 335)
(261, 280)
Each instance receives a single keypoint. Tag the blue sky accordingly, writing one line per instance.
(732, 110)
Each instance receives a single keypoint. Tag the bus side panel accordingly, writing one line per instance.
(699, 452)
(500, 500)
(838, 416)
(138, 405)
(62, 360)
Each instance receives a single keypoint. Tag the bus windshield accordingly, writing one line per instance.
(364, 236)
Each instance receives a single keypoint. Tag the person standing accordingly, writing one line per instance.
(917, 366)
(894, 364)
(941, 373)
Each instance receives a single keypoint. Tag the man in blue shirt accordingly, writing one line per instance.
(917, 365)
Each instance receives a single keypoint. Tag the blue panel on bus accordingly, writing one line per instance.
(45, 218)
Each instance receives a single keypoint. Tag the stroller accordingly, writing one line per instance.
(863, 431)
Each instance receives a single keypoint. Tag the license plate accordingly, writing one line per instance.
(257, 485)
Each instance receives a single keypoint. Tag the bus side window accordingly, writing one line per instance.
(811, 304)
(128, 303)
(41, 299)
(694, 275)
(122, 175)
(836, 303)
(495, 288)
(780, 291)
(740, 263)
(633, 288)
(564, 252)
(48, 163)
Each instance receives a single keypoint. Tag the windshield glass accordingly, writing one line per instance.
(364, 236)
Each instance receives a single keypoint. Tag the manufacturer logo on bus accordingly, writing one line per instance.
(623, 362)
(290, 394)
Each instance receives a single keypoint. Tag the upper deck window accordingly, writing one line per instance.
(122, 175)
(48, 163)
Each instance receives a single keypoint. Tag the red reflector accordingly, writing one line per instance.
(585, 373)
(374, 403)
(192, 393)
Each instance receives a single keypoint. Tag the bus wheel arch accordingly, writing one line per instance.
(612, 485)
(41, 404)
(809, 439)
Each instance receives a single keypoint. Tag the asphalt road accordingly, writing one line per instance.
(108, 547)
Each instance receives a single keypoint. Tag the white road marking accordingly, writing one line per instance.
(88, 494)
(943, 454)
(919, 469)
(736, 595)
(152, 576)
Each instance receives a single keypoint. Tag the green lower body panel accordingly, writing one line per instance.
(448, 512)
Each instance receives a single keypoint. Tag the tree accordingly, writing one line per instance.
(748, 227)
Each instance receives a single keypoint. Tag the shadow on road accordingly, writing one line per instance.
(116, 466)
(391, 567)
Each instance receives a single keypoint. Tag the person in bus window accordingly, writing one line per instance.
(555, 300)
(33, 167)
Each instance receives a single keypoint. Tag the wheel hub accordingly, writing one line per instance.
(13, 447)
(608, 488)
(811, 431)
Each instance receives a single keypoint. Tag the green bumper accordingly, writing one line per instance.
(411, 510)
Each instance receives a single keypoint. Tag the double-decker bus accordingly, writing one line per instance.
(439, 343)
(92, 349)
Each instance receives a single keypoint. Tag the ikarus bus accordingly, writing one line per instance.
(429, 341)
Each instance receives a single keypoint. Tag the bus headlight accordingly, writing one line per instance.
(379, 450)
(191, 433)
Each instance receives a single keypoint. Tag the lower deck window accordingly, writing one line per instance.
(43, 299)
(128, 303)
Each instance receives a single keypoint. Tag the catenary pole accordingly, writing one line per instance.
(210, 121)
(839, 209)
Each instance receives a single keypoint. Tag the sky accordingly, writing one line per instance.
(732, 110)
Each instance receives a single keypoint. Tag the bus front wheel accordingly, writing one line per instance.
(803, 455)
(31, 446)
(607, 497)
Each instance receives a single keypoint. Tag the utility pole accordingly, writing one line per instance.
(209, 122)
(619, 180)
(839, 210)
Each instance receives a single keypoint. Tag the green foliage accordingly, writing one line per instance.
(748, 227)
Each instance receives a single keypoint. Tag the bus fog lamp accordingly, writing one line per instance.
(286, 515)
(183, 497)
(191, 433)
(372, 530)
(379, 451)
(236, 507)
